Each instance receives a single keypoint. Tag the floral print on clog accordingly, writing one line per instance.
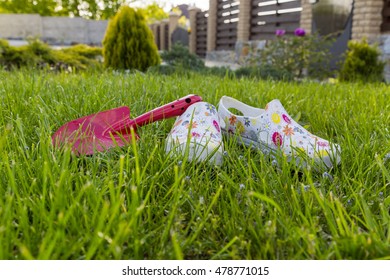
(276, 130)
(199, 125)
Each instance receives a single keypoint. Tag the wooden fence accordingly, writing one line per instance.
(227, 21)
(386, 16)
(201, 33)
(268, 16)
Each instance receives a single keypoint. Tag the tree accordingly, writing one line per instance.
(91, 9)
(42, 7)
(153, 12)
(128, 42)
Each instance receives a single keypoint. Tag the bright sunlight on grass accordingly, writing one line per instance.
(138, 203)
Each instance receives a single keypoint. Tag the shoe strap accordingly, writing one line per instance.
(227, 102)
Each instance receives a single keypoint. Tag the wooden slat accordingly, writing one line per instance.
(200, 16)
(221, 4)
(221, 20)
(268, 28)
(282, 6)
(226, 33)
(226, 37)
(291, 17)
(220, 17)
(201, 21)
(201, 33)
(200, 41)
(226, 41)
(201, 45)
(227, 26)
(256, 2)
(263, 36)
(228, 10)
(200, 27)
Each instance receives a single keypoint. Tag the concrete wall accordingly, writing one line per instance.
(20, 25)
(55, 30)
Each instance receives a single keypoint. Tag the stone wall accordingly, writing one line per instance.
(367, 19)
(54, 30)
(306, 16)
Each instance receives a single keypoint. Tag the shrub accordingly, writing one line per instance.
(128, 42)
(40, 55)
(163, 70)
(180, 56)
(362, 63)
(264, 72)
(16, 57)
(299, 55)
(85, 51)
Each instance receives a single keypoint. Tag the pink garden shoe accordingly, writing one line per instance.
(197, 131)
(272, 129)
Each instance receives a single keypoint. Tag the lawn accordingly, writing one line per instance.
(138, 203)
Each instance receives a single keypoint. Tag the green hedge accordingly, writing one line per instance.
(40, 55)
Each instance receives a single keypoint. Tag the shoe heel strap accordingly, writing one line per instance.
(227, 102)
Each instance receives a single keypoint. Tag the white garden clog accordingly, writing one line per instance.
(272, 130)
(197, 132)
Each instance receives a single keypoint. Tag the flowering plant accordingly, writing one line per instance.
(300, 54)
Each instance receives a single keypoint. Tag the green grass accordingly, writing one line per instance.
(138, 203)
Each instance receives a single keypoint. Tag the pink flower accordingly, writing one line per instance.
(216, 125)
(286, 119)
(300, 32)
(195, 134)
(277, 139)
(322, 144)
(280, 32)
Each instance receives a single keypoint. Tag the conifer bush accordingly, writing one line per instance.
(362, 63)
(128, 42)
(180, 56)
